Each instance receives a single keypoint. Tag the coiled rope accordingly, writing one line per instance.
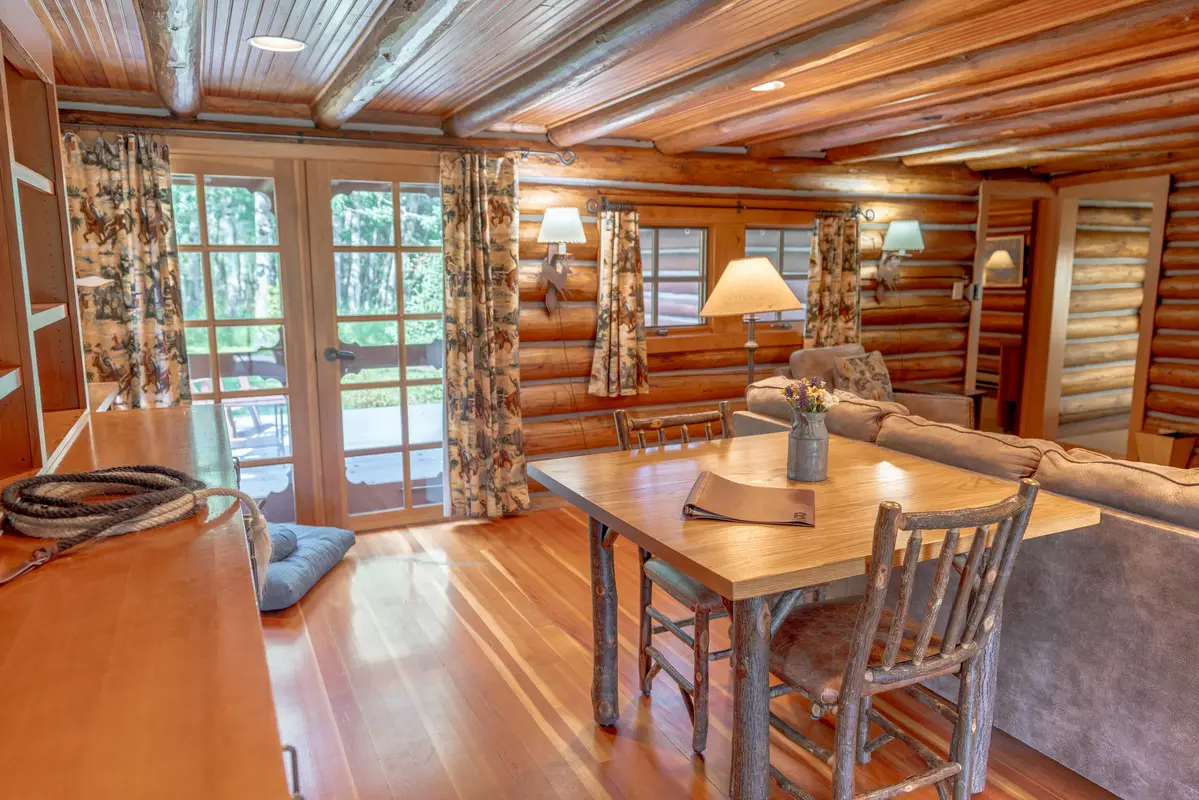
(54, 507)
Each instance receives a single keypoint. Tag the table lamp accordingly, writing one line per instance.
(747, 287)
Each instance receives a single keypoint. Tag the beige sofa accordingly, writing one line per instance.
(1101, 624)
(817, 362)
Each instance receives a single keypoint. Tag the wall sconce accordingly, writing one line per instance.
(903, 235)
(559, 227)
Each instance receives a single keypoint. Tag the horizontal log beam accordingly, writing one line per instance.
(642, 26)
(171, 30)
(914, 340)
(1096, 274)
(938, 245)
(1094, 327)
(1106, 300)
(1184, 405)
(997, 301)
(553, 399)
(1120, 217)
(838, 35)
(1120, 82)
(1111, 244)
(596, 432)
(401, 35)
(1185, 376)
(904, 76)
(1098, 379)
(1002, 323)
(1177, 317)
(1081, 354)
(1173, 345)
(1184, 200)
(1179, 287)
(913, 310)
(560, 361)
(1180, 258)
(569, 323)
(920, 368)
(582, 284)
(1173, 116)
(1182, 229)
(1088, 407)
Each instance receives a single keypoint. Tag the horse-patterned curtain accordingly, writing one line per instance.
(619, 366)
(485, 452)
(834, 314)
(123, 233)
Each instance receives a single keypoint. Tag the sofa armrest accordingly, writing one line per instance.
(747, 423)
(954, 409)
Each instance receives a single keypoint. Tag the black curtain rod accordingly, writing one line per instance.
(565, 157)
(594, 206)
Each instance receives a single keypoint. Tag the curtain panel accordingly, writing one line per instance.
(619, 366)
(834, 314)
(123, 232)
(486, 471)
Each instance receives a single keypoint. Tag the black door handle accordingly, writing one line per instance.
(333, 354)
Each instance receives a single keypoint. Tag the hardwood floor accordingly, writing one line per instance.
(454, 661)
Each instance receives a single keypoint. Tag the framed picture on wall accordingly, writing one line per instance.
(1005, 261)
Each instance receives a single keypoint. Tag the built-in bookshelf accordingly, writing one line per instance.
(43, 391)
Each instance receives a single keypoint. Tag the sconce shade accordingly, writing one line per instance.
(1001, 259)
(750, 286)
(903, 235)
(561, 225)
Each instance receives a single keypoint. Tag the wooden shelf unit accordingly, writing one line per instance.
(43, 389)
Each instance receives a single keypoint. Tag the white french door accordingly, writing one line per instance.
(377, 276)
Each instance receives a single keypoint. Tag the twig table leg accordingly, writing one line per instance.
(751, 699)
(603, 619)
(985, 703)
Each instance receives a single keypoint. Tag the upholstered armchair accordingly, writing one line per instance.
(818, 362)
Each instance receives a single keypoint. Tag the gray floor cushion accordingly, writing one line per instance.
(283, 541)
(316, 552)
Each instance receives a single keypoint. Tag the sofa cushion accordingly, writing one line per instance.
(1150, 490)
(859, 419)
(317, 551)
(990, 453)
(864, 375)
(817, 362)
(766, 397)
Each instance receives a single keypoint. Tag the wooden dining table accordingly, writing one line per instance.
(639, 494)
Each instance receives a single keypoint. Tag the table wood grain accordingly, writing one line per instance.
(136, 668)
(640, 495)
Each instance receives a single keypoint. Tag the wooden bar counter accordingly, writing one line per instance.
(136, 668)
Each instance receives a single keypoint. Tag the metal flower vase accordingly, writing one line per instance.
(807, 447)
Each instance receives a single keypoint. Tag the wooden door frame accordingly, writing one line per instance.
(1049, 301)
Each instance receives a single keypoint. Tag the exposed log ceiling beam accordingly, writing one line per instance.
(1121, 148)
(853, 29)
(1060, 141)
(402, 33)
(1172, 167)
(644, 24)
(1126, 161)
(1058, 47)
(171, 30)
(1068, 118)
(1124, 81)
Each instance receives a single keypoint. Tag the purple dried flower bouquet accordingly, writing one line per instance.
(810, 395)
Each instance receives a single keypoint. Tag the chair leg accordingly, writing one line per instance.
(699, 732)
(645, 663)
(845, 749)
(962, 744)
(864, 729)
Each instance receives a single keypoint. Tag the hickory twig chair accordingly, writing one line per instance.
(703, 603)
(839, 654)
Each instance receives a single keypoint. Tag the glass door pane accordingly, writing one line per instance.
(379, 302)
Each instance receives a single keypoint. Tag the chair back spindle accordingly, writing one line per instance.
(998, 532)
(627, 427)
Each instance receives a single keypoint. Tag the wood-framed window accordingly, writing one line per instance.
(789, 249)
(674, 268)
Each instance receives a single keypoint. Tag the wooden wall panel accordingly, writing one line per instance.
(1172, 402)
(1110, 250)
(920, 328)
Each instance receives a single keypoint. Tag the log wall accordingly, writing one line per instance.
(1172, 403)
(1003, 308)
(1111, 248)
(920, 329)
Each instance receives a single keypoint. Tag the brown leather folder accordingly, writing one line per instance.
(714, 497)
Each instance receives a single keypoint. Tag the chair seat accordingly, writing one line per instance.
(811, 649)
(682, 587)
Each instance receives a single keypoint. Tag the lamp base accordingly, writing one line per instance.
(751, 347)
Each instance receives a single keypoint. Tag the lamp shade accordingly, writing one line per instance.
(561, 225)
(750, 286)
(1001, 259)
(903, 235)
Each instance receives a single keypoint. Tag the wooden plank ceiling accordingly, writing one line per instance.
(1066, 86)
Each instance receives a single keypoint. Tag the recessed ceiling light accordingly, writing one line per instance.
(277, 44)
(769, 86)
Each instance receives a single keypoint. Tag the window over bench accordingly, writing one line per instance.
(789, 249)
(674, 267)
